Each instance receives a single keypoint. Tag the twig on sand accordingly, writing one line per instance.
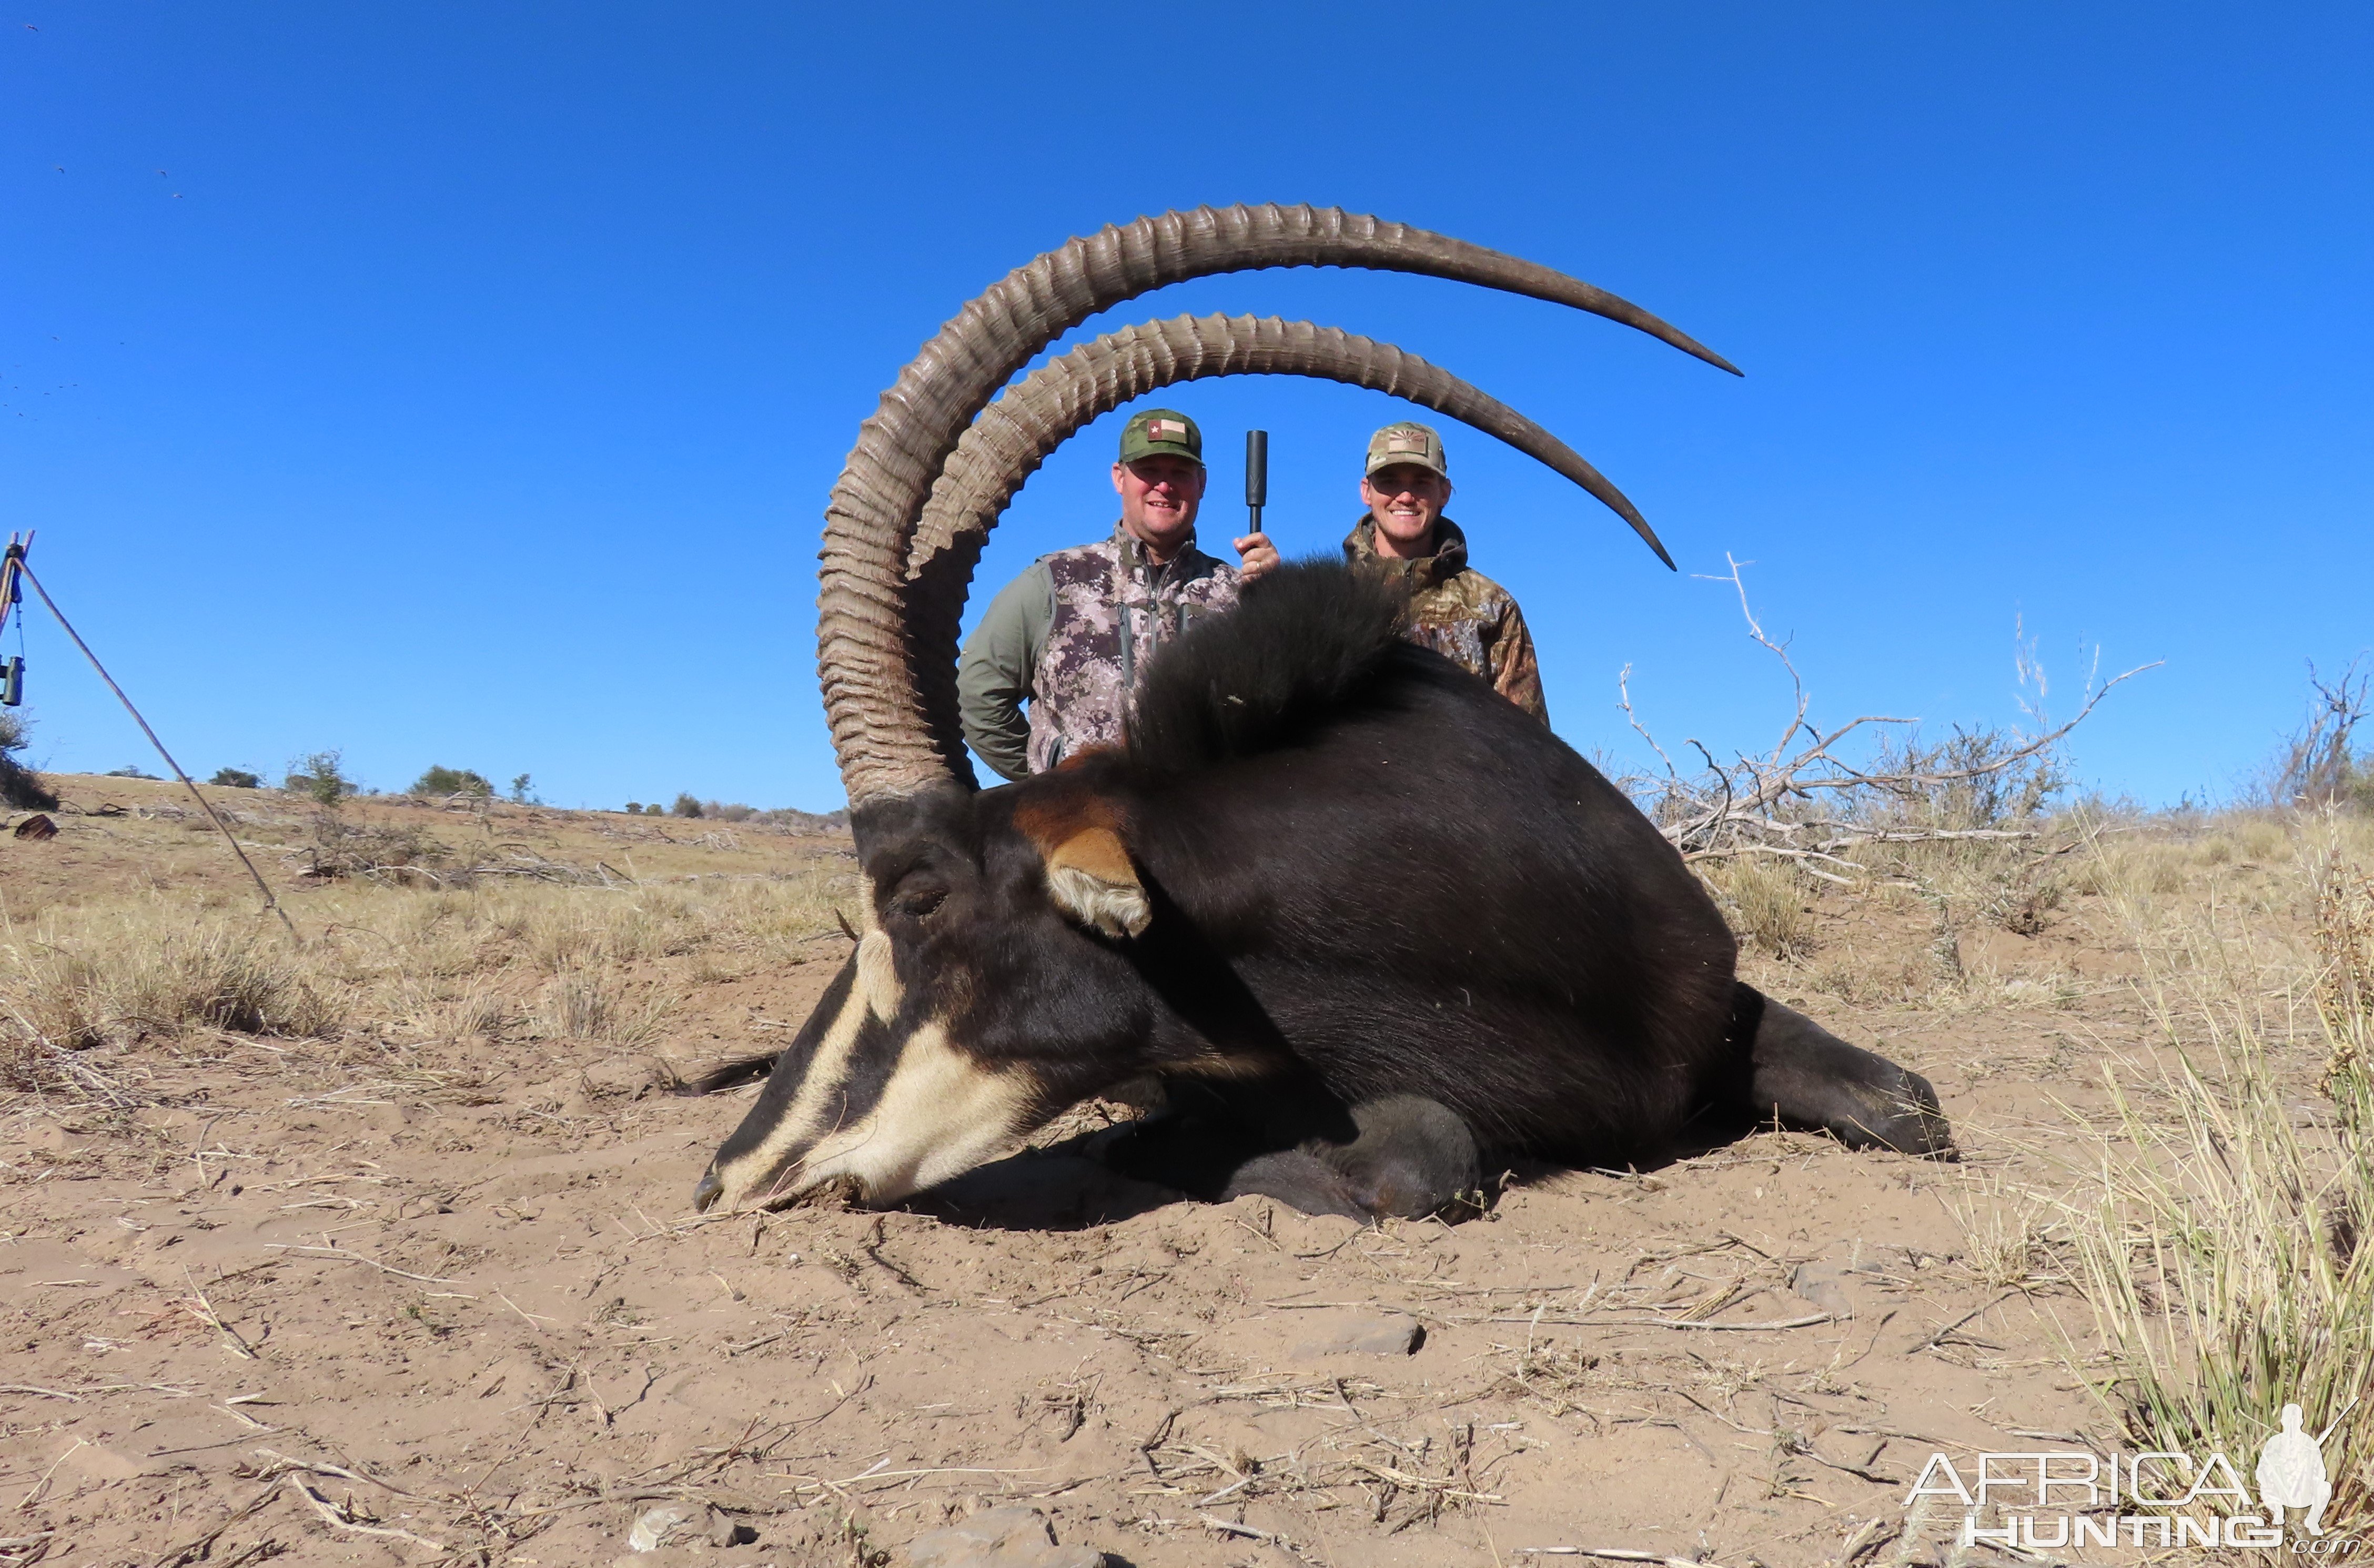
(321, 1467)
(1933, 1340)
(173, 1556)
(1809, 1321)
(337, 1520)
(341, 1255)
(1229, 1527)
(1613, 1554)
(214, 1320)
(43, 1484)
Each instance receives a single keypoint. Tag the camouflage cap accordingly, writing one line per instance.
(1161, 432)
(1409, 441)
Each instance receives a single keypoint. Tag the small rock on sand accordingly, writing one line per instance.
(999, 1537)
(1824, 1285)
(1389, 1335)
(680, 1524)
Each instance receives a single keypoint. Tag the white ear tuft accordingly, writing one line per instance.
(1090, 878)
(1117, 909)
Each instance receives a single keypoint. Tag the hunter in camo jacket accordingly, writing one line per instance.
(1069, 635)
(1455, 609)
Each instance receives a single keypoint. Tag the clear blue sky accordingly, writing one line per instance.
(462, 384)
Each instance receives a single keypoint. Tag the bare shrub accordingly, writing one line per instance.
(2320, 764)
(340, 848)
(1805, 802)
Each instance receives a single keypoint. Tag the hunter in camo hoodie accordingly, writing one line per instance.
(1460, 613)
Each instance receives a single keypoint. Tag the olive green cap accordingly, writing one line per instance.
(1161, 432)
(1409, 441)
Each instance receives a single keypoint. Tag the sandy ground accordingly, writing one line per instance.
(319, 1300)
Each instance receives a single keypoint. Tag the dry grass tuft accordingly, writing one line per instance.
(596, 1003)
(2009, 1238)
(2221, 1261)
(2345, 978)
(405, 958)
(2217, 1237)
(81, 983)
(1765, 901)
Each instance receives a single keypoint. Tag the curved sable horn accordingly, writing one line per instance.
(1017, 432)
(870, 693)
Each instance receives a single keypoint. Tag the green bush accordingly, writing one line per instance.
(20, 787)
(685, 805)
(441, 780)
(236, 778)
(321, 777)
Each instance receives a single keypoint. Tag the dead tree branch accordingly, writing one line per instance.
(1804, 802)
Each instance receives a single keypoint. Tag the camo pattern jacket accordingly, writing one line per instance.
(1460, 613)
(1068, 636)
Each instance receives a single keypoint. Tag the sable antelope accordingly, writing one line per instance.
(1235, 901)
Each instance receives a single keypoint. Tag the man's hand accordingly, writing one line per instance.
(1260, 555)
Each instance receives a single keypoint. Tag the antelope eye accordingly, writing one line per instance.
(919, 901)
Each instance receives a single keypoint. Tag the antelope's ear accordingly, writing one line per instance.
(1091, 879)
(1088, 871)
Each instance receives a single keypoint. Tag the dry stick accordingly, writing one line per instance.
(1806, 1322)
(270, 903)
(172, 1556)
(329, 1512)
(341, 1255)
(1614, 1554)
(43, 1484)
(206, 1310)
(1770, 778)
(321, 1468)
(1933, 1340)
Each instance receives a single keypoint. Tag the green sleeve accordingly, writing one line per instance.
(993, 672)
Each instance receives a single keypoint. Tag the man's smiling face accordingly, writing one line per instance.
(1405, 500)
(1158, 498)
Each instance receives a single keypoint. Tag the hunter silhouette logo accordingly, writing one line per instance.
(2163, 1498)
(2291, 1471)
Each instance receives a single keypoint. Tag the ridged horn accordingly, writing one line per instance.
(1017, 432)
(870, 693)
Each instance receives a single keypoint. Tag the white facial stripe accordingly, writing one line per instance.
(940, 1115)
(804, 1118)
(877, 977)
